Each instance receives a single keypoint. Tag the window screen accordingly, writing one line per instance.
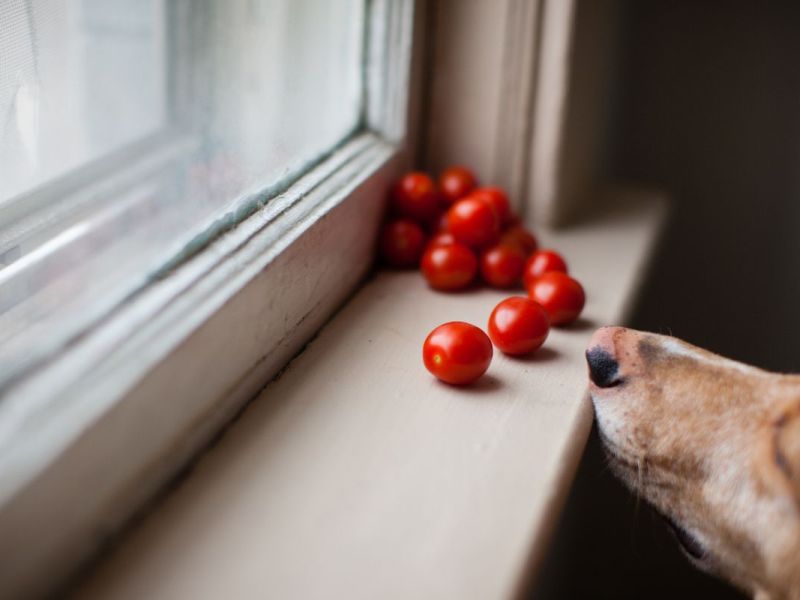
(129, 129)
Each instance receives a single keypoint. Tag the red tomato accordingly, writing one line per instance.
(455, 183)
(501, 266)
(517, 235)
(402, 243)
(541, 262)
(560, 295)
(457, 352)
(415, 197)
(518, 325)
(449, 267)
(443, 238)
(498, 200)
(473, 222)
(515, 220)
(441, 222)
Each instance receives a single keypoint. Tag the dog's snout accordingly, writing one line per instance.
(601, 356)
(603, 368)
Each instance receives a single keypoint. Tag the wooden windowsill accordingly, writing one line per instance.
(357, 475)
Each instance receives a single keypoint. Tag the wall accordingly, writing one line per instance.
(709, 109)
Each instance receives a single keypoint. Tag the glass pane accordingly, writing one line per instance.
(134, 130)
(78, 79)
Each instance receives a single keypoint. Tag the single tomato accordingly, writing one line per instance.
(517, 235)
(473, 222)
(402, 243)
(541, 262)
(501, 266)
(415, 197)
(518, 325)
(443, 238)
(455, 183)
(449, 267)
(457, 352)
(560, 295)
(497, 199)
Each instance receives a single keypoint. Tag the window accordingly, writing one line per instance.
(66, 98)
(175, 107)
(188, 189)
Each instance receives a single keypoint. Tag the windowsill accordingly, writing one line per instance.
(355, 474)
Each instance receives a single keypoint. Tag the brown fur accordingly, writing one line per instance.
(715, 446)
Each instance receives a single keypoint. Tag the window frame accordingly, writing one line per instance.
(537, 119)
(43, 219)
(144, 390)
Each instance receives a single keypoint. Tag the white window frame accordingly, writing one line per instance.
(535, 76)
(140, 393)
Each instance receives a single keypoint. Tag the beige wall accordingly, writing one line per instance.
(520, 91)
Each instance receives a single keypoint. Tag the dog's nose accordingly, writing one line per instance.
(603, 366)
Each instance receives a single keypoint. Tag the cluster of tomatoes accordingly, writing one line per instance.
(456, 231)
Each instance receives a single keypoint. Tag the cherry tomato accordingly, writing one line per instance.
(455, 183)
(443, 238)
(449, 267)
(441, 222)
(518, 325)
(560, 295)
(517, 235)
(473, 222)
(415, 197)
(402, 243)
(497, 199)
(457, 352)
(501, 266)
(541, 262)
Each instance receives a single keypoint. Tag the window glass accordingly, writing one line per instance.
(130, 129)
(65, 97)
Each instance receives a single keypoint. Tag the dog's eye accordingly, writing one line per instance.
(687, 541)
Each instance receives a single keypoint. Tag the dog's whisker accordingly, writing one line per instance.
(639, 480)
(605, 469)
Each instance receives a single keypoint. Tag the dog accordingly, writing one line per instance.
(712, 444)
